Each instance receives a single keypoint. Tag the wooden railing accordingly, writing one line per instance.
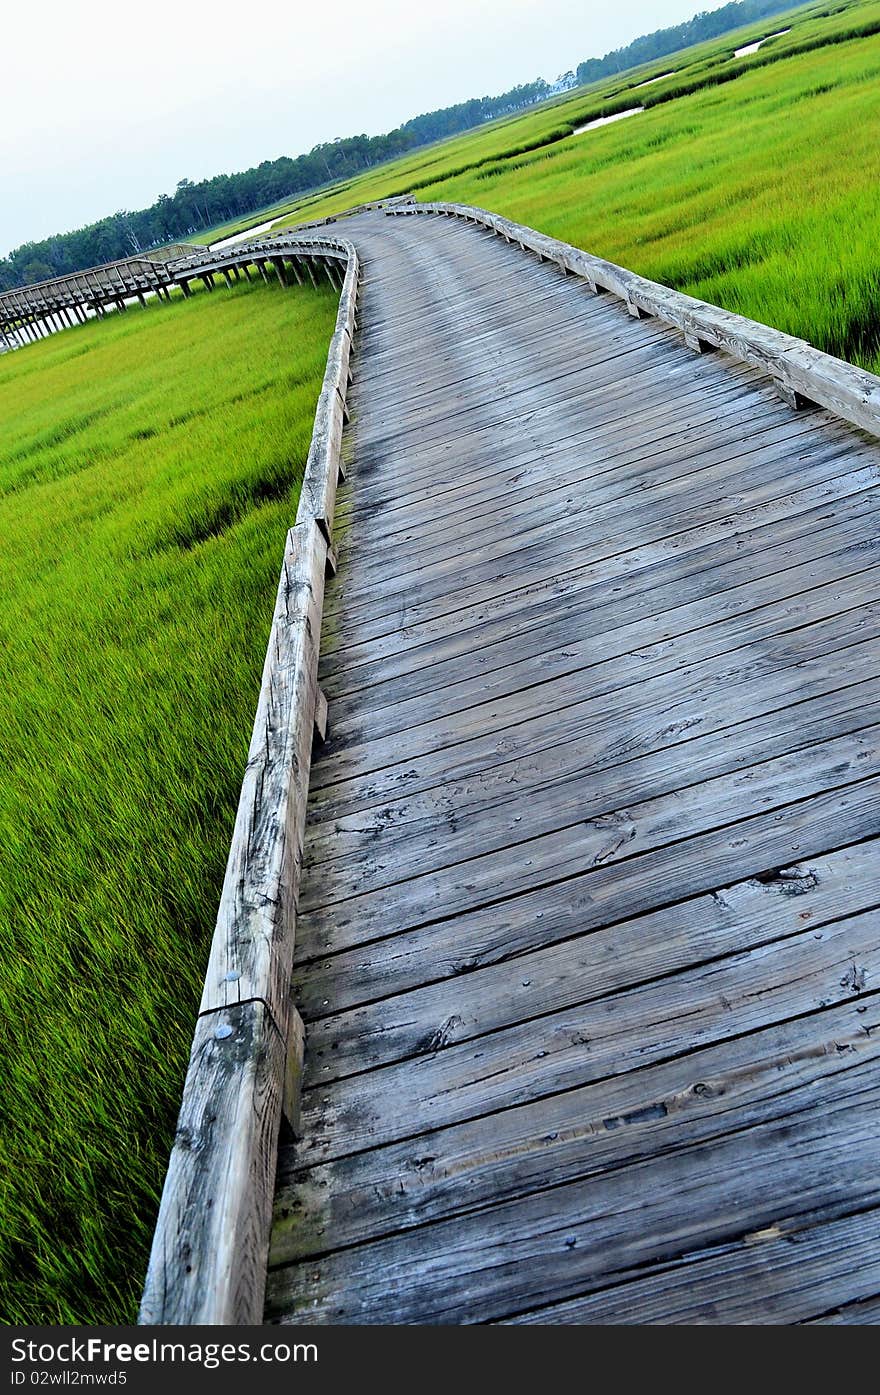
(210, 1247)
(800, 373)
(208, 1260)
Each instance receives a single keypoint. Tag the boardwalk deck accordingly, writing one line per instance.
(589, 937)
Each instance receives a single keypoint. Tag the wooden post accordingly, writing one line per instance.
(278, 264)
(796, 400)
(699, 346)
(292, 1089)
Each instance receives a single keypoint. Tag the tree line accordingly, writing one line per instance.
(194, 207)
(708, 24)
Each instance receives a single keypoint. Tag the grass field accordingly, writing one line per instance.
(756, 191)
(149, 467)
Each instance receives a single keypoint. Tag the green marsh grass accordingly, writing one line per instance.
(758, 192)
(149, 469)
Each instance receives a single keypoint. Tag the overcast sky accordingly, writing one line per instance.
(105, 105)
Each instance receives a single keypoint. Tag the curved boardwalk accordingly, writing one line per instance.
(588, 929)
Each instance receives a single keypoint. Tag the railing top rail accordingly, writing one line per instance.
(209, 1255)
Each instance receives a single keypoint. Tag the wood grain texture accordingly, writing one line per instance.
(779, 1177)
(493, 1157)
(208, 1261)
(790, 1272)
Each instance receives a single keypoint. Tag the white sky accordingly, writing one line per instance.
(105, 105)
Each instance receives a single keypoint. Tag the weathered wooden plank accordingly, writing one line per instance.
(593, 528)
(447, 418)
(455, 814)
(688, 598)
(862, 1312)
(778, 1177)
(554, 519)
(404, 896)
(410, 529)
(440, 592)
(384, 965)
(590, 1041)
(781, 1276)
(604, 349)
(646, 634)
(360, 664)
(643, 650)
(464, 743)
(608, 444)
(208, 1260)
(444, 825)
(764, 1075)
(565, 973)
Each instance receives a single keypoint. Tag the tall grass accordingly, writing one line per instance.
(149, 467)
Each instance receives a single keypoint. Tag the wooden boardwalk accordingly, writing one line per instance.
(589, 938)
